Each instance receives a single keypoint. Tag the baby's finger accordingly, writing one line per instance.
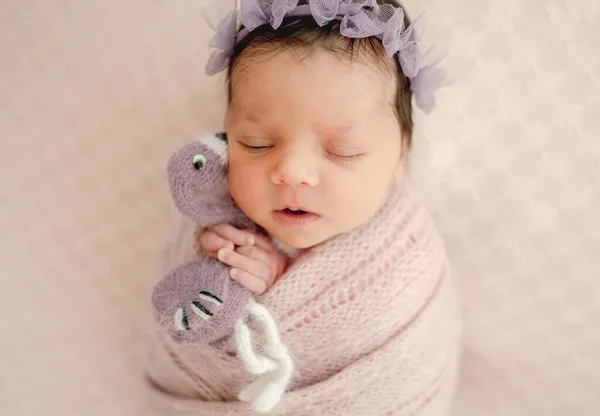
(264, 242)
(252, 283)
(255, 252)
(211, 254)
(239, 261)
(265, 257)
(212, 242)
(236, 236)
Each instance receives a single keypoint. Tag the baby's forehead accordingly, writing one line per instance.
(321, 79)
(292, 59)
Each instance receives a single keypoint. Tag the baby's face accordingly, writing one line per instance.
(317, 134)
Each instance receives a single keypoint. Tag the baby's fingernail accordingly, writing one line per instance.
(234, 274)
(229, 245)
(221, 254)
(250, 239)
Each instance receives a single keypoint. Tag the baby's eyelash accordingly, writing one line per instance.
(255, 149)
(333, 155)
(343, 158)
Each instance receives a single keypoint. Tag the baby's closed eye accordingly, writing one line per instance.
(256, 149)
(346, 152)
(255, 144)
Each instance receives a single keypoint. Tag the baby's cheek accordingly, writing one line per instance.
(246, 184)
(359, 200)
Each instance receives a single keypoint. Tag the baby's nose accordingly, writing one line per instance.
(296, 171)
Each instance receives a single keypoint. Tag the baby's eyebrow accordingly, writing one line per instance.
(246, 113)
(339, 132)
(344, 128)
(252, 113)
(345, 141)
(348, 145)
(251, 117)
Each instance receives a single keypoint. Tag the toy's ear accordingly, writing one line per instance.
(217, 143)
(222, 136)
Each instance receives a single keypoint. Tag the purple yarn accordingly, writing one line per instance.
(197, 301)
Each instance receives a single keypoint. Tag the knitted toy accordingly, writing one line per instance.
(198, 302)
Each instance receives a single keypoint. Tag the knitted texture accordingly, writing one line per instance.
(198, 301)
(370, 318)
(197, 176)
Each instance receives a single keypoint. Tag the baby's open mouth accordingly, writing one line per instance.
(295, 217)
(295, 212)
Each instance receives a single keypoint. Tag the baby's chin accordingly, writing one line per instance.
(300, 244)
(300, 240)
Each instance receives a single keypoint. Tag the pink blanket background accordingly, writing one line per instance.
(94, 96)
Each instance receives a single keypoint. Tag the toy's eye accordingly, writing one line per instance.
(199, 161)
(181, 320)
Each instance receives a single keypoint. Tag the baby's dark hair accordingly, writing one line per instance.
(302, 32)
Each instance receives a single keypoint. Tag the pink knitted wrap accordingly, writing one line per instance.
(371, 319)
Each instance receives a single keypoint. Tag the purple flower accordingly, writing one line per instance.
(224, 40)
(358, 19)
(426, 82)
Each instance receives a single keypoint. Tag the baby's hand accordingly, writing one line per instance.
(209, 241)
(256, 263)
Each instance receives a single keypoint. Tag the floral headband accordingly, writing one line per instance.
(358, 19)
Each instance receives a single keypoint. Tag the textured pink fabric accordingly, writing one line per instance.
(94, 94)
(370, 318)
